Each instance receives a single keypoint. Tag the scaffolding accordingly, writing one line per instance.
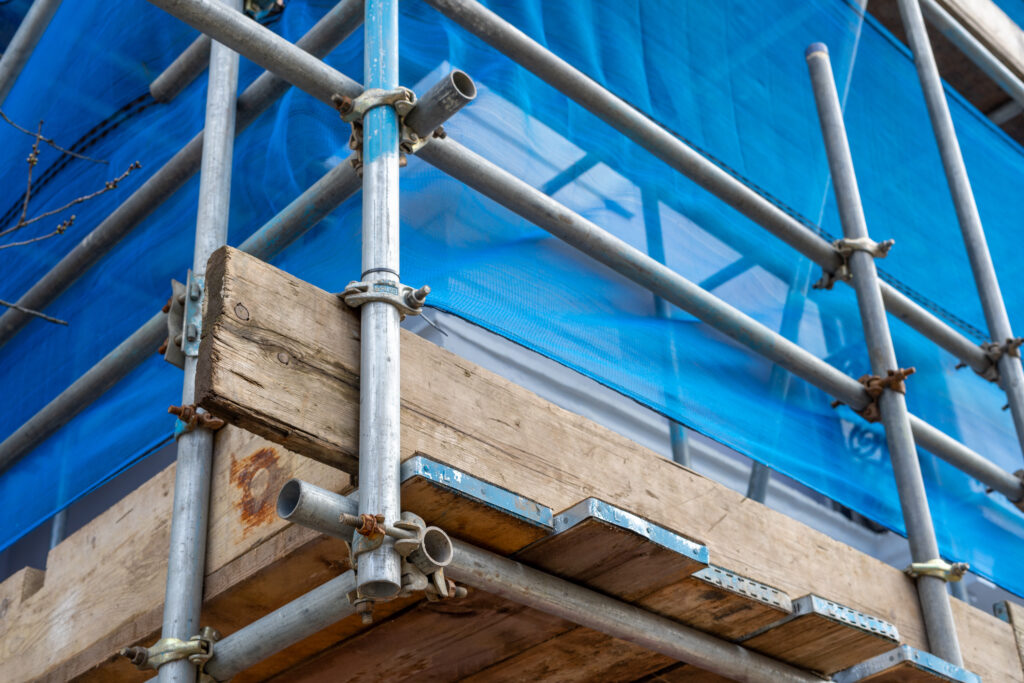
(389, 121)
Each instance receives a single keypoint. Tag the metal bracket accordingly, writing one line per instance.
(938, 568)
(402, 99)
(425, 551)
(994, 352)
(407, 300)
(352, 110)
(845, 248)
(189, 418)
(875, 385)
(198, 650)
(192, 322)
(175, 310)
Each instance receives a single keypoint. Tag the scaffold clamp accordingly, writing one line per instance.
(938, 568)
(875, 385)
(407, 300)
(198, 650)
(189, 418)
(845, 248)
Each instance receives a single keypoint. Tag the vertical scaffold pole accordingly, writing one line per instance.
(379, 571)
(187, 557)
(1011, 375)
(24, 42)
(938, 615)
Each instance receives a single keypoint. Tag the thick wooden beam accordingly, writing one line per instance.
(989, 24)
(475, 421)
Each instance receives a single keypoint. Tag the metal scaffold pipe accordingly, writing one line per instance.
(379, 571)
(323, 37)
(182, 71)
(935, 606)
(539, 590)
(527, 586)
(24, 42)
(1011, 374)
(576, 85)
(311, 506)
(305, 211)
(186, 562)
(305, 616)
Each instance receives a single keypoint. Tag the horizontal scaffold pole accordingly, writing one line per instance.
(323, 37)
(275, 54)
(23, 43)
(572, 82)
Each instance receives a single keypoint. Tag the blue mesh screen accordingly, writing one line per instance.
(728, 76)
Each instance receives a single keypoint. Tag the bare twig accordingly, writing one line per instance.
(50, 142)
(108, 186)
(29, 311)
(23, 218)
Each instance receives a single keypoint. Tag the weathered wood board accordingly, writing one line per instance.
(907, 665)
(103, 588)
(721, 602)
(824, 636)
(990, 25)
(485, 425)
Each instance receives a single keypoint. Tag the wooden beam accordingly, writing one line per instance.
(477, 422)
(990, 25)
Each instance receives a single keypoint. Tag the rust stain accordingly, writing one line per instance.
(258, 477)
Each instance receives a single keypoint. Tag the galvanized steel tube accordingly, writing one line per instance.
(316, 610)
(24, 42)
(379, 572)
(264, 47)
(186, 562)
(325, 35)
(307, 505)
(541, 591)
(938, 615)
(1011, 375)
(182, 71)
(515, 44)
(537, 207)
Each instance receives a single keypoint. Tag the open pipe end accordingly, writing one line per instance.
(288, 498)
(815, 48)
(463, 85)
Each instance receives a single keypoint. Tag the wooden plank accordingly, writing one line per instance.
(720, 602)
(683, 673)
(824, 636)
(17, 588)
(471, 509)
(295, 371)
(441, 641)
(614, 551)
(908, 665)
(1014, 615)
(990, 25)
(482, 424)
(578, 655)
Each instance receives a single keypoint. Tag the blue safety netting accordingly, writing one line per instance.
(727, 76)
